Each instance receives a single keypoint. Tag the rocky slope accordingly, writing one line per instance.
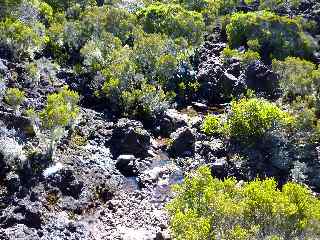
(111, 177)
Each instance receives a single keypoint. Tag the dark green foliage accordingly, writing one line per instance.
(277, 36)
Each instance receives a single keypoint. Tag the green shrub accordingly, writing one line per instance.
(32, 11)
(139, 100)
(211, 125)
(248, 119)
(278, 36)
(150, 51)
(33, 73)
(64, 5)
(145, 102)
(60, 111)
(207, 208)
(251, 118)
(173, 20)
(298, 77)
(14, 97)
(21, 39)
(117, 21)
(245, 58)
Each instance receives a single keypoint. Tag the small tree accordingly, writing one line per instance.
(61, 111)
(14, 97)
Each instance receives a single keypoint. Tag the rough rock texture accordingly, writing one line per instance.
(219, 79)
(183, 142)
(261, 79)
(129, 137)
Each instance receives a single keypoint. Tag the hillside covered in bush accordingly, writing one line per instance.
(159, 120)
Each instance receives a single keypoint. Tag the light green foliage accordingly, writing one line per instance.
(173, 20)
(117, 21)
(245, 58)
(207, 208)
(211, 7)
(251, 118)
(298, 77)
(120, 76)
(248, 119)
(32, 11)
(144, 102)
(61, 109)
(21, 39)
(166, 66)
(120, 23)
(211, 125)
(278, 36)
(14, 97)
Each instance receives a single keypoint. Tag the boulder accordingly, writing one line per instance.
(220, 168)
(217, 83)
(183, 142)
(262, 79)
(171, 121)
(126, 165)
(129, 137)
(65, 180)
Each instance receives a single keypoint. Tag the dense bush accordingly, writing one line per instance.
(277, 4)
(32, 11)
(152, 51)
(7, 5)
(298, 77)
(97, 53)
(63, 5)
(248, 119)
(22, 40)
(173, 20)
(277, 36)
(208, 208)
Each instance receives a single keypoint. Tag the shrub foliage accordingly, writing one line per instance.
(207, 208)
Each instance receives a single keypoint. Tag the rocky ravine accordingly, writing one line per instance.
(111, 178)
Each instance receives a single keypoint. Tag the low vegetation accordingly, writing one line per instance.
(275, 36)
(207, 208)
(248, 119)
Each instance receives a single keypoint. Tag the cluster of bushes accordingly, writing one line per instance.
(271, 35)
(207, 208)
